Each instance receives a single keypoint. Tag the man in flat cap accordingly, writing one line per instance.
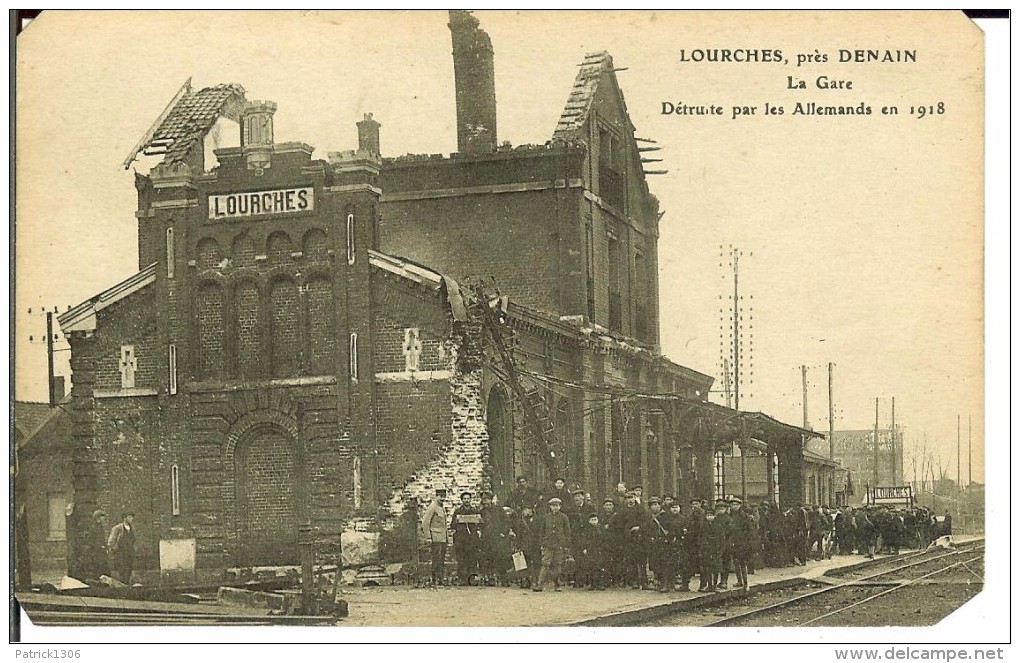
(434, 532)
(555, 538)
(659, 540)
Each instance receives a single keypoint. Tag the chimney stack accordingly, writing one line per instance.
(257, 134)
(475, 81)
(368, 135)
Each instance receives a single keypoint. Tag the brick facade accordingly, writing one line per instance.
(318, 375)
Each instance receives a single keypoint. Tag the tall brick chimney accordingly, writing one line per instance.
(368, 135)
(475, 81)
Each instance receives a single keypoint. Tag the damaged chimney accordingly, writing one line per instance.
(257, 134)
(475, 81)
(368, 135)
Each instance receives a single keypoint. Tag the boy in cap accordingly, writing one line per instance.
(590, 553)
(554, 539)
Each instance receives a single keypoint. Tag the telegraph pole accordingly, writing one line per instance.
(832, 439)
(736, 333)
(49, 356)
(957, 452)
(970, 475)
(894, 441)
(803, 385)
(874, 474)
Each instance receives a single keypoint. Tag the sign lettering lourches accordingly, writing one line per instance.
(261, 203)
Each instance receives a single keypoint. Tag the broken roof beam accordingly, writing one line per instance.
(648, 149)
(645, 140)
(656, 172)
(185, 90)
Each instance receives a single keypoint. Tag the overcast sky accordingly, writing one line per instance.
(866, 232)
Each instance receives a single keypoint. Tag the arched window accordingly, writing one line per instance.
(320, 317)
(175, 490)
(284, 338)
(315, 244)
(278, 248)
(170, 253)
(209, 253)
(350, 238)
(210, 331)
(353, 350)
(172, 369)
(247, 339)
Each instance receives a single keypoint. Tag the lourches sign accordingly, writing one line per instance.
(261, 203)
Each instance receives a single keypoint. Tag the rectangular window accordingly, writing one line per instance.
(172, 367)
(353, 350)
(175, 490)
(169, 253)
(350, 238)
(57, 516)
(128, 366)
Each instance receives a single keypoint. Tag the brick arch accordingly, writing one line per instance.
(315, 244)
(499, 423)
(279, 247)
(242, 250)
(208, 253)
(250, 427)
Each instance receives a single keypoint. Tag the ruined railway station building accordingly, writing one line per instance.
(300, 343)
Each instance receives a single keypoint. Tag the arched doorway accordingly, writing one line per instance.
(266, 471)
(501, 441)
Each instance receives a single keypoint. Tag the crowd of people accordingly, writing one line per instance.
(562, 537)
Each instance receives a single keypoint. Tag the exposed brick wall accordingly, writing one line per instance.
(461, 463)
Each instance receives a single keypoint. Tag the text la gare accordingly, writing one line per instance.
(822, 83)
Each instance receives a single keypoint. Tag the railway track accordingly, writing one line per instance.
(841, 603)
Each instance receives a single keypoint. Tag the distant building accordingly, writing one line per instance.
(44, 492)
(855, 452)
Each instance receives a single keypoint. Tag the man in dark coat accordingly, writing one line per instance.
(947, 525)
(121, 546)
(740, 538)
(722, 513)
(495, 541)
(712, 545)
(523, 495)
(695, 524)
(633, 523)
(94, 555)
(555, 541)
(659, 539)
(467, 524)
(615, 541)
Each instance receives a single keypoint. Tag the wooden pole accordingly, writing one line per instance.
(736, 334)
(895, 483)
(50, 380)
(874, 465)
(832, 418)
(803, 387)
(970, 442)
